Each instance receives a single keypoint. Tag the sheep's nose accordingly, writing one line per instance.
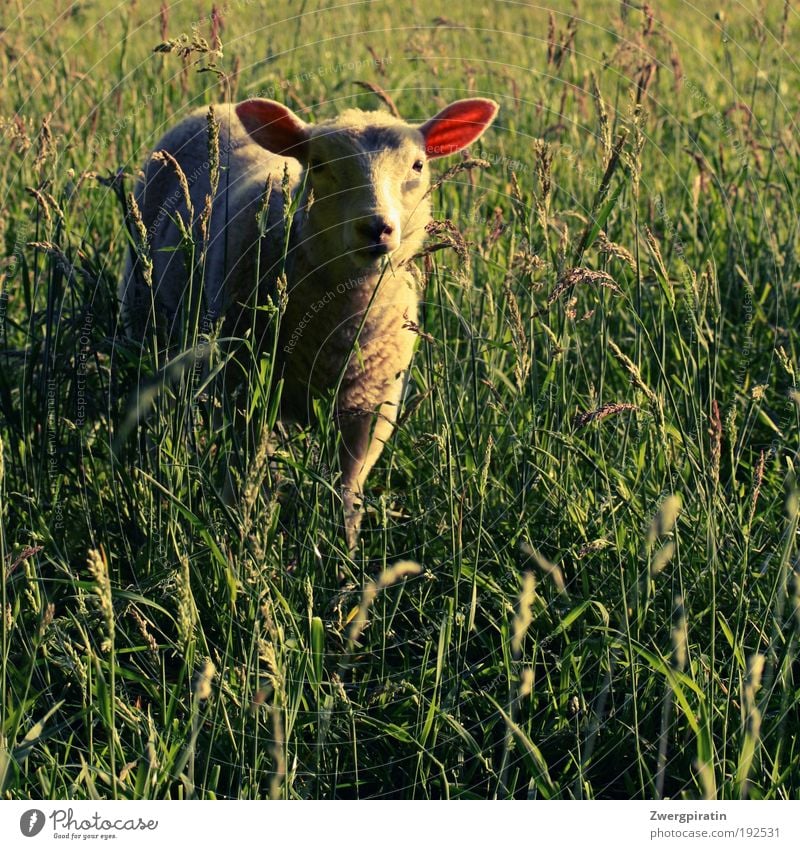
(378, 230)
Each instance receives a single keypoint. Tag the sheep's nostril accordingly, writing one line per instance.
(377, 231)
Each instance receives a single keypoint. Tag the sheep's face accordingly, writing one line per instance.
(367, 172)
(369, 187)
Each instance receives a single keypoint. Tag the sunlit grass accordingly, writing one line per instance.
(595, 468)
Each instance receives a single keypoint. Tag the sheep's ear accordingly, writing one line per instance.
(457, 125)
(275, 127)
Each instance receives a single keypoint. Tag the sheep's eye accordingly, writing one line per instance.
(418, 166)
(317, 165)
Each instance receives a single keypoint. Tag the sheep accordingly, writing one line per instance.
(362, 189)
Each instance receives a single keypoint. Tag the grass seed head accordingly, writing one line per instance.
(638, 382)
(680, 638)
(602, 119)
(661, 558)
(46, 146)
(142, 242)
(524, 615)
(213, 149)
(612, 408)
(715, 432)
(579, 276)
(397, 572)
(166, 157)
(550, 569)
(522, 364)
(204, 679)
(609, 248)
(187, 612)
(98, 568)
(664, 520)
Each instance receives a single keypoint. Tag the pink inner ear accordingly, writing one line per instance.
(273, 126)
(457, 125)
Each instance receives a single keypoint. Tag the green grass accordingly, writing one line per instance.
(552, 419)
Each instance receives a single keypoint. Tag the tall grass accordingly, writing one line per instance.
(595, 468)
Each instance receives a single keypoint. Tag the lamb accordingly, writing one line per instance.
(361, 185)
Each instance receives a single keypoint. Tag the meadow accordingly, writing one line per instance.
(578, 575)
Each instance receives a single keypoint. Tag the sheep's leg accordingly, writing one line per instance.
(356, 431)
(364, 435)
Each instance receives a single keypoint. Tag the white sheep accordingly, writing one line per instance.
(352, 302)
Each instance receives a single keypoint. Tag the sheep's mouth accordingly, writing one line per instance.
(376, 251)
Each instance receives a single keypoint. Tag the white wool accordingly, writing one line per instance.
(365, 200)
